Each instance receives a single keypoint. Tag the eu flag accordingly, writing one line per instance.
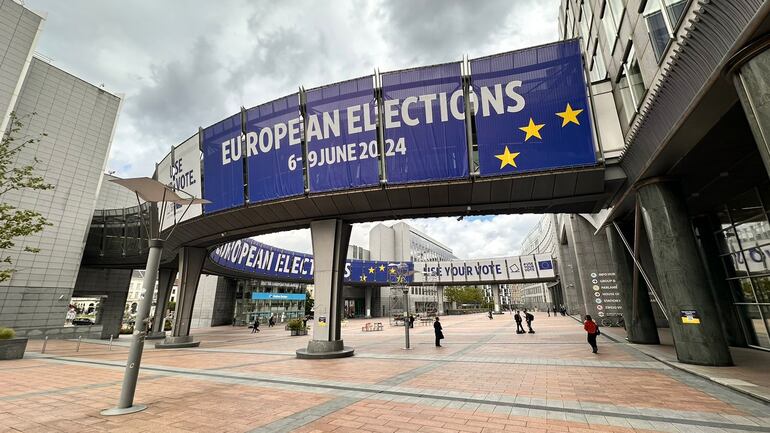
(550, 128)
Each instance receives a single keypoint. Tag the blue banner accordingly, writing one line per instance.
(342, 136)
(223, 164)
(265, 261)
(278, 296)
(274, 150)
(532, 110)
(424, 124)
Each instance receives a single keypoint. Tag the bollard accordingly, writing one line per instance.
(110, 342)
(44, 344)
(77, 349)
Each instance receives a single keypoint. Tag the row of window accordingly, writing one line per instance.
(661, 17)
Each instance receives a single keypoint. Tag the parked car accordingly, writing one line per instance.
(83, 321)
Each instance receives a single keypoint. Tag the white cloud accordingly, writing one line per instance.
(492, 236)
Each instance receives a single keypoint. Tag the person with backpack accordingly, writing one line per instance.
(592, 329)
(517, 318)
(529, 318)
(255, 326)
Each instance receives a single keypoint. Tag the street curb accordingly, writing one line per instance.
(760, 398)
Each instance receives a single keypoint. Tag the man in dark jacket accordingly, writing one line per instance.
(529, 318)
(437, 330)
(517, 318)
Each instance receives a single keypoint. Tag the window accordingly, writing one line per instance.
(662, 19)
(631, 85)
(611, 19)
(585, 24)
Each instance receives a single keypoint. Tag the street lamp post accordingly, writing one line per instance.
(151, 191)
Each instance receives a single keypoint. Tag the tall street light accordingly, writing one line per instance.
(154, 192)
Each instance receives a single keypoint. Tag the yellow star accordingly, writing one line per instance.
(532, 129)
(371, 270)
(507, 158)
(363, 277)
(382, 268)
(569, 115)
(392, 270)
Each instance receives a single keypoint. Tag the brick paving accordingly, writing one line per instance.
(485, 379)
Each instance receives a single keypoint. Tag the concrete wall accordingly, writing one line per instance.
(79, 119)
(382, 243)
(214, 302)
(19, 29)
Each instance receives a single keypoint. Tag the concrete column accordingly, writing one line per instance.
(330, 245)
(368, 301)
(496, 297)
(440, 296)
(751, 76)
(166, 279)
(637, 310)
(190, 266)
(681, 276)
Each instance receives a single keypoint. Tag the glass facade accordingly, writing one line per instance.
(662, 18)
(247, 308)
(743, 237)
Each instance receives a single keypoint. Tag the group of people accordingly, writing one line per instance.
(271, 321)
(556, 310)
(528, 317)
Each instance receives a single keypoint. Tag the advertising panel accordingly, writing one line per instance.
(424, 124)
(181, 170)
(274, 150)
(278, 296)
(429, 272)
(501, 264)
(342, 136)
(223, 164)
(532, 110)
(514, 268)
(545, 266)
(253, 257)
(529, 267)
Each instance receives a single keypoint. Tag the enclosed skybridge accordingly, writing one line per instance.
(509, 133)
(248, 258)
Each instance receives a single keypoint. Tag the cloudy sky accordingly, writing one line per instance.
(183, 64)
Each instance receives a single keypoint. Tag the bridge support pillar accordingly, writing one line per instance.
(368, 301)
(166, 279)
(440, 296)
(637, 310)
(190, 267)
(693, 316)
(330, 246)
(496, 297)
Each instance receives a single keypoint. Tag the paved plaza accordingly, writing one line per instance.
(485, 379)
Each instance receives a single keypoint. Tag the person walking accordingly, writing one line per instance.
(490, 314)
(411, 320)
(548, 310)
(517, 318)
(437, 330)
(592, 329)
(255, 326)
(555, 311)
(529, 318)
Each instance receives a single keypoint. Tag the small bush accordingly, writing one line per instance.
(167, 325)
(7, 333)
(295, 325)
(127, 330)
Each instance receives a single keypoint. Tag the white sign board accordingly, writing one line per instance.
(181, 169)
(503, 269)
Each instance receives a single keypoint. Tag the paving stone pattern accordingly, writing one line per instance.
(486, 379)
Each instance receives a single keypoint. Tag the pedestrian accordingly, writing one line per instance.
(517, 318)
(593, 330)
(411, 320)
(271, 321)
(304, 321)
(548, 310)
(437, 330)
(529, 318)
(555, 311)
(255, 326)
(490, 314)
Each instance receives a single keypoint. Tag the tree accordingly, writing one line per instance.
(464, 295)
(17, 223)
(309, 302)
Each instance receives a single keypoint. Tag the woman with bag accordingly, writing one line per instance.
(437, 330)
(593, 330)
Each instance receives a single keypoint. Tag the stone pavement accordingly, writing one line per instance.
(485, 379)
(750, 374)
